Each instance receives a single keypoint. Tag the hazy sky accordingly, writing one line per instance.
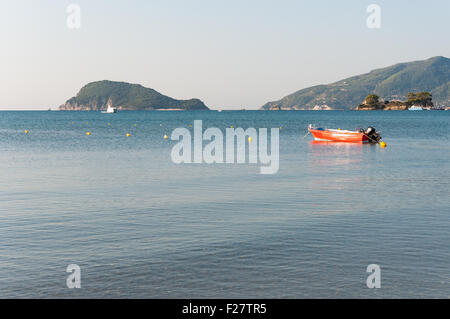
(228, 53)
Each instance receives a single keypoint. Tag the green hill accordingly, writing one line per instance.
(97, 96)
(391, 83)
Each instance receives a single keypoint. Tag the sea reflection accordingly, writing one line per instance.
(324, 153)
(337, 169)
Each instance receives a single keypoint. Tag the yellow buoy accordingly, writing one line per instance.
(281, 127)
(250, 139)
(73, 122)
(128, 134)
(190, 125)
(135, 125)
(88, 133)
(383, 144)
(26, 131)
(87, 123)
(166, 137)
(109, 124)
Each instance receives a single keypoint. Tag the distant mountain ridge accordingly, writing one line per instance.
(390, 83)
(97, 96)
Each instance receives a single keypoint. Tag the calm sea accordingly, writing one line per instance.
(139, 225)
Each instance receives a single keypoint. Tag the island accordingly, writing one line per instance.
(420, 99)
(98, 96)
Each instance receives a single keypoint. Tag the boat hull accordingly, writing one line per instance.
(339, 136)
(110, 110)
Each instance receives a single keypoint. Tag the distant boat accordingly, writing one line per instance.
(415, 108)
(360, 136)
(110, 109)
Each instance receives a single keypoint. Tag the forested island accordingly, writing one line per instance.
(97, 96)
(420, 99)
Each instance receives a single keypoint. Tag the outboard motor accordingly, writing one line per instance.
(370, 130)
(373, 135)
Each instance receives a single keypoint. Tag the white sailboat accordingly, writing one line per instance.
(110, 109)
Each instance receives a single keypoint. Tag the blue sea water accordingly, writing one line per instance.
(141, 226)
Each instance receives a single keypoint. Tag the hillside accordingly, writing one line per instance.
(391, 83)
(97, 96)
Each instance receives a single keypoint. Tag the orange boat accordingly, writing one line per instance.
(358, 136)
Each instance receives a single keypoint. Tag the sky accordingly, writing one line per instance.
(231, 54)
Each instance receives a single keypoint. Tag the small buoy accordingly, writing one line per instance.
(166, 137)
(26, 131)
(109, 124)
(383, 144)
(87, 123)
(190, 125)
(281, 127)
(250, 139)
(73, 123)
(128, 134)
(160, 124)
(88, 133)
(135, 124)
